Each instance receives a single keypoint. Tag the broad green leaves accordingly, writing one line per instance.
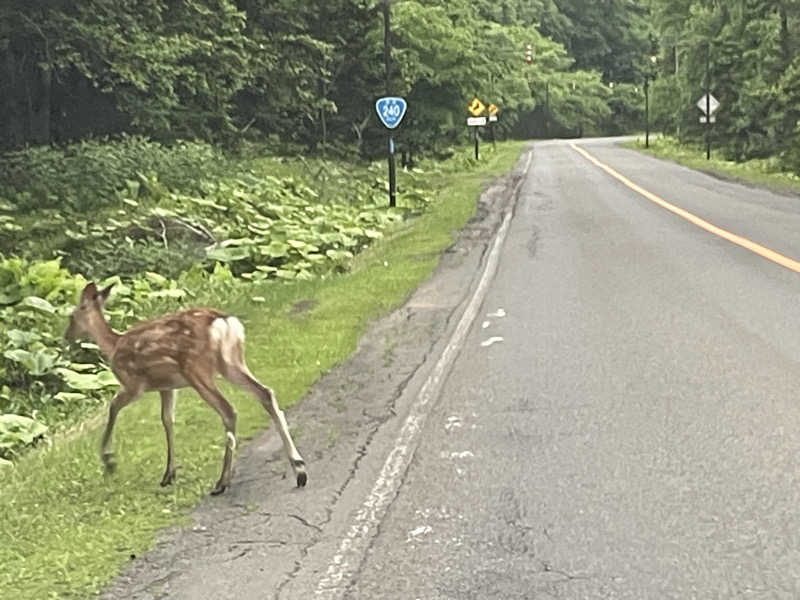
(248, 227)
(17, 431)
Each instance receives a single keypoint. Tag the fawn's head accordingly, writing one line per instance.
(88, 312)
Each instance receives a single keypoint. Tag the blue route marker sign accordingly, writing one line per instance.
(391, 110)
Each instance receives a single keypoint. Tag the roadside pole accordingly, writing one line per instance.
(492, 110)
(708, 102)
(387, 65)
(476, 107)
(391, 111)
(708, 105)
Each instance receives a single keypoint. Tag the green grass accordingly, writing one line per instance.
(65, 530)
(761, 172)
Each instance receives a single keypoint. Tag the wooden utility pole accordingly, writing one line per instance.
(387, 62)
(708, 101)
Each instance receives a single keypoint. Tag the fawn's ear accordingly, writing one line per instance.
(102, 295)
(89, 292)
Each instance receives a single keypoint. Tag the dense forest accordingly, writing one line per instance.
(308, 73)
(748, 50)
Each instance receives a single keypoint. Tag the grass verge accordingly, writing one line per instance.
(760, 172)
(65, 530)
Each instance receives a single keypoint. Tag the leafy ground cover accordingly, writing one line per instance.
(66, 530)
(165, 239)
(768, 172)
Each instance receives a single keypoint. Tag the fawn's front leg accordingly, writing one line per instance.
(120, 401)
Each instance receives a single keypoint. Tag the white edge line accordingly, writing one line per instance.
(334, 585)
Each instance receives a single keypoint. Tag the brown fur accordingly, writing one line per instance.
(183, 349)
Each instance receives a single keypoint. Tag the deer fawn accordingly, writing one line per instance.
(184, 349)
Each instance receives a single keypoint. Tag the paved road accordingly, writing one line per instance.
(622, 419)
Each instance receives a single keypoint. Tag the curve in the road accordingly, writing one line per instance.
(750, 245)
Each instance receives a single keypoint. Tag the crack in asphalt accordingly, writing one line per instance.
(305, 522)
(422, 327)
(242, 554)
(547, 568)
(361, 452)
(507, 182)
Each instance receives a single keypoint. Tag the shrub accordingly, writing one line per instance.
(87, 176)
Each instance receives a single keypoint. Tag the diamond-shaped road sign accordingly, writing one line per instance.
(476, 107)
(713, 103)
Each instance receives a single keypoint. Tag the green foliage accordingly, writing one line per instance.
(67, 530)
(46, 280)
(750, 50)
(86, 175)
(171, 67)
(611, 37)
(17, 431)
(202, 241)
(302, 73)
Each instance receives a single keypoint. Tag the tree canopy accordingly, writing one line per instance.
(308, 73)
(748, 50)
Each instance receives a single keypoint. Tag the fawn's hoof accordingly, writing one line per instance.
(219, 488)
(168, 478)
(299, 467)
(110, 462)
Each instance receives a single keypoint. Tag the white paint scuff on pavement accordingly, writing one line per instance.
(453, 455)
(419, 531)
(452, 423)
(498, 314)
(492, 340)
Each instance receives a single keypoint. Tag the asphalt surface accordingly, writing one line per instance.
(620, 421)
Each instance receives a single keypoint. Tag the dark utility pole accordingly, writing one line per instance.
(387, 46)
(387, 61)
(708, 101)
(646, 111)
(650, 75)
(547, 109)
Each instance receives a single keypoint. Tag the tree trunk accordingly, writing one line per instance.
(786, 43)
(39, 107)
(10, 119)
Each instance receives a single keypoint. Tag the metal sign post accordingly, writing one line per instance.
(709, 105)
(492, 110)
(476, 107)
(391, 111)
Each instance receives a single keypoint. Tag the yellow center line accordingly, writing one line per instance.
(762, 251)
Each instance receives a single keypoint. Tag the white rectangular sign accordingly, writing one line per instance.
(492, 118)
(703, 119)
(476, 121)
